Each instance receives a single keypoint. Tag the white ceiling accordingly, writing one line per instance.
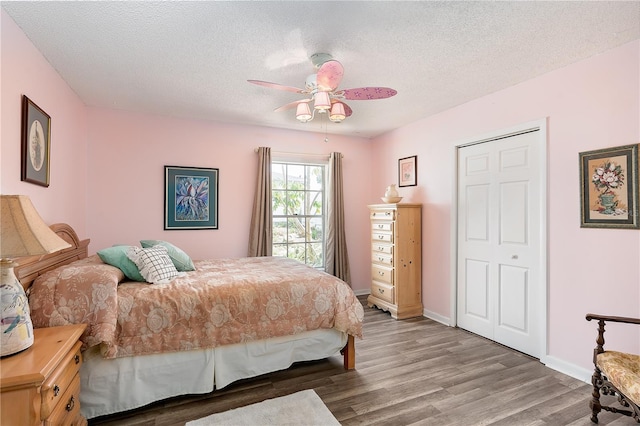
(193, 59)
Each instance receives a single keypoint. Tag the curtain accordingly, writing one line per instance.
(337, 260)
(260, 237)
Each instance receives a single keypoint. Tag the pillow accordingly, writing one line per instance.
(154, 263)
(117, 256)
(180, 259)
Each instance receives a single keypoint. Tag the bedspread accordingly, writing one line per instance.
(224, 301)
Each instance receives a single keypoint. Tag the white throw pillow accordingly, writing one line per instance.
(154, 264)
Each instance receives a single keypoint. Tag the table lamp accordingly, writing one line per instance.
(22, 233)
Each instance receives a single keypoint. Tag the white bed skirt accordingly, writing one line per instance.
(110, 386)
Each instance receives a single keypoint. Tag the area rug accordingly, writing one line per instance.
(301, 408)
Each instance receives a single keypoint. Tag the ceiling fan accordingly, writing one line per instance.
(322, 89)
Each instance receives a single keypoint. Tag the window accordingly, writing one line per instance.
(298, 202)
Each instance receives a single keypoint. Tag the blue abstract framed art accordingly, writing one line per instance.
(190, 198)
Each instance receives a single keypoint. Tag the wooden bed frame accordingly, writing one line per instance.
(30, 268)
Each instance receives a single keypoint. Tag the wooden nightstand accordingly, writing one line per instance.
(41, 385)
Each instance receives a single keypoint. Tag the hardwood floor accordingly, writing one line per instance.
(409, 372)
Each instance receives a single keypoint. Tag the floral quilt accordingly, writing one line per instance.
(224, 301)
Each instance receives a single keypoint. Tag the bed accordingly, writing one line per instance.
(229, 319)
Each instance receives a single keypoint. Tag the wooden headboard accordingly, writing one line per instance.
(29, 268)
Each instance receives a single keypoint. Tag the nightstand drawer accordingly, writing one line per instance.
(58, 383)
(382, 273)
(382, 291)
(67, 412)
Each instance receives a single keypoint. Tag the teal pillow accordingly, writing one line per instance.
(180, 259)
(117, 256)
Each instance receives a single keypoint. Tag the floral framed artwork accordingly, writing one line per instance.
(609, 188)
(407, 171)
(190, 198)
(36, 143)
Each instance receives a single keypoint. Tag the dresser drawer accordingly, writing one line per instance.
(380, 236)
(382, 273)
(383, 259)
(381, 248)
(58, 383)
(382, 291)
(67, 412)
(383, 214)
(382, 226)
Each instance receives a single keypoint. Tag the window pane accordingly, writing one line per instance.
(296, 230)
(314, 203)
(295, 202)
(314, 255)
(279, 250)
(279, 231)
(316, 178)
(278, 174)
(279, 200)
(315, 225)
(297, 251)
(295, 176)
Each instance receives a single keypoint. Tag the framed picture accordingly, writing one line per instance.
(36, 143)
(407, 171)
(609, 188)
(190, 198)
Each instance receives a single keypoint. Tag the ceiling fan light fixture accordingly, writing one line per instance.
(337, 113)
(303, 113)
(321, 101)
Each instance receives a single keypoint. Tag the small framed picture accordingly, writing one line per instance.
(36, 143)
(190, 198)
(609, 188)
(407, 171)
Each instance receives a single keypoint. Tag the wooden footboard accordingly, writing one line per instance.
(349, 354)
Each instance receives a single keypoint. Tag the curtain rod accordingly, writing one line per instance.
(298, 153)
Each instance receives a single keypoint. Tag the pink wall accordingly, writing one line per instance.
(127, 155)
(26, 71)
(590, 105)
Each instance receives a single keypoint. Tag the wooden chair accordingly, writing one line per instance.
(616, 374)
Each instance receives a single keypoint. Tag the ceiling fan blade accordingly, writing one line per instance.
(329, 76)
(277, 86)
(292, 105)
(368, 93)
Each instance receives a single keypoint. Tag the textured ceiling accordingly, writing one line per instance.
(193, 59)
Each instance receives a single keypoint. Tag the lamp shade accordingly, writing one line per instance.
(322, 101)
(337, 113)
(22, 230)
(303, 113)
(22, 233)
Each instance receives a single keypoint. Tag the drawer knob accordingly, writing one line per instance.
(56, 390)
(77, 359)
(380, 237)
(380, 259)
(381, 273)
(380, 226)
(381, 291)
(380, 248)
(71, 404)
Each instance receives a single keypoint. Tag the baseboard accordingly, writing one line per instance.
(568, 368)
(436, 317)
(364, 292)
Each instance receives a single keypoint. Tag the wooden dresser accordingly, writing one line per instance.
(41, 385)
(396, 259)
